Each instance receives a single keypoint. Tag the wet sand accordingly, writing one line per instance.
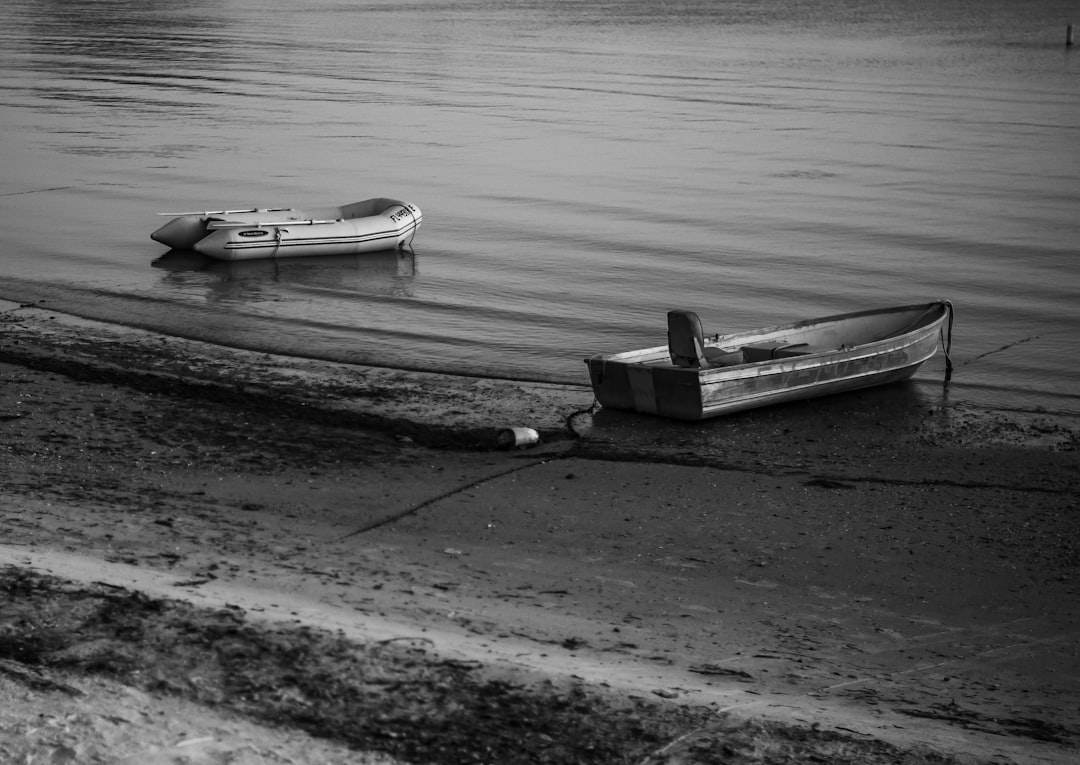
(863, 563)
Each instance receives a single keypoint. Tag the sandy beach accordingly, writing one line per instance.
(864, 577)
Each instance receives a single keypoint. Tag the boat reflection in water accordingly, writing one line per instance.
(389, 273)
(833, 427)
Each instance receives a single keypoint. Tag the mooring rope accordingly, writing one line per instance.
(588, 410)
(946, 342)
(1005, 347)
(412, 234)
(445, 495)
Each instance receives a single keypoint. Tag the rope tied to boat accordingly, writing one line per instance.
(590, 410)
(946, 340)
(412, 234)
(277, 238)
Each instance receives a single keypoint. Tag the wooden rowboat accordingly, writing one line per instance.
(368, 226)
(694, 377)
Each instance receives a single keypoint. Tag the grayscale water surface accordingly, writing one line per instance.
(582, 168)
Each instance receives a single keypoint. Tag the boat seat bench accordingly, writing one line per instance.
(687, 348)
(777, 350)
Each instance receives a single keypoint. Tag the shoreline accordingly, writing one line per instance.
(560, 557)
(443, 408)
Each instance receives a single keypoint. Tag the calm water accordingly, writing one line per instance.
(582, 168)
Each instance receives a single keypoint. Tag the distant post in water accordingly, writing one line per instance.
(1069, 36)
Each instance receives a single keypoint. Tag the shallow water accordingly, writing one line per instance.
(582, 168)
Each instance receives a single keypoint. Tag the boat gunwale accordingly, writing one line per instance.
(651, 357)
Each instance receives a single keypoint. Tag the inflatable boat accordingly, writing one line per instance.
(276, 232)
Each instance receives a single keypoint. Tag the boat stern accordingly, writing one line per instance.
(181, 233)
(663, 390)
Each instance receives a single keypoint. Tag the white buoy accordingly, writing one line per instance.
(518, 437)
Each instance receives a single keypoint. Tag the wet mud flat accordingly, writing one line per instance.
(387, 699)
(271, 550)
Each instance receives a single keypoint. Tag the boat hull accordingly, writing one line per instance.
(842, 353)
(370, 226)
